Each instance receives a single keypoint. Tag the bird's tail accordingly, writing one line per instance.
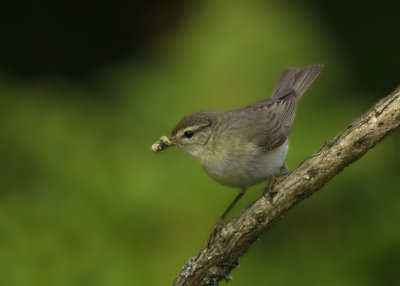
(290, 87)
(294, 82)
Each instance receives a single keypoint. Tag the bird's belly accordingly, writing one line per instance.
(248, 170)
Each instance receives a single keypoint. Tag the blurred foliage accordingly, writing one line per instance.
(83, 200)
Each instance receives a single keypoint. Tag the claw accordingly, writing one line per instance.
(269, 192)
(283, 170)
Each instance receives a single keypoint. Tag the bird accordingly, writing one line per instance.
(246, 146)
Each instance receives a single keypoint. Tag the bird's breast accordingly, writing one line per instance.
(244, 167)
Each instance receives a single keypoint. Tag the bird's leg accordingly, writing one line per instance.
(220, 222)
(269, 192)
(283, 170)
(228, 210)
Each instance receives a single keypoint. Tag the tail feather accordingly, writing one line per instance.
(290, 87)
(296, 80)
(286, 79)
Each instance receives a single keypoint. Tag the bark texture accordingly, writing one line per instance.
(214, 262)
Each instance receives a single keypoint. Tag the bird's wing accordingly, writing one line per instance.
(263, 129)
(271, 134)
(290, 87)
(274, 116)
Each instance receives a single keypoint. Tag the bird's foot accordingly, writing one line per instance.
(269, 192)
(284, 170)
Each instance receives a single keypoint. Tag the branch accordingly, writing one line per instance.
(215, 261)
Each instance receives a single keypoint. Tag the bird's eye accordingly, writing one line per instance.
(188, 134)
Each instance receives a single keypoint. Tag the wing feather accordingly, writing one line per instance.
(276, 114)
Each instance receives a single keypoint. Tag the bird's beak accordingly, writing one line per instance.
(163, 143)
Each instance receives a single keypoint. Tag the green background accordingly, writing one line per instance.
(84, 201)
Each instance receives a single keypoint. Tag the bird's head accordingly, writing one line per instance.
(192, 133)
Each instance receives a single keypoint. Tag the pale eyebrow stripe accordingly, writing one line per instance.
(194, 128)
